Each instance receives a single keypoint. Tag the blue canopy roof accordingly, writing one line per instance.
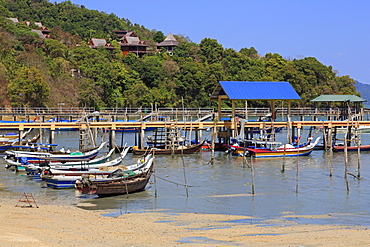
(255, 90)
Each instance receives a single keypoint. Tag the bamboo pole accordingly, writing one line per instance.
(330, 136)
(346, 157)
(283, 166)
(297, 164)
(358, 140)
(183, 167)
(252, 170)
(214, 133)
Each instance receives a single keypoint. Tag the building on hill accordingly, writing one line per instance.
(95, 43)
(169, 43)
(130, 42)
(43, 32)
(14, 20)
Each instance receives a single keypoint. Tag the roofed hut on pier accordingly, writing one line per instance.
(253, 90)
(350, 106)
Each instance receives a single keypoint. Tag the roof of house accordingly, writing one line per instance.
(41, 34)
(255, 90)
(14, 20)
(131, 41)
(338, 98)
(169, 41)
(97, 42)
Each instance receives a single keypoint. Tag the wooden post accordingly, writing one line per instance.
(283, 166)
(214, 133)
(252, 170)
(324, 134)
(112, 133)
(358, 141)
(330, 136)
(219, 107)
(142, 135)
(246, 110)
(20, 136)
(297, 165)
(346, 157)
(233, 120)
(290, 138)
(51, 138)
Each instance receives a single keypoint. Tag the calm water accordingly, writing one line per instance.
(225, 186)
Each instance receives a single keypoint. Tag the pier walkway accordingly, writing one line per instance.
(141, 118)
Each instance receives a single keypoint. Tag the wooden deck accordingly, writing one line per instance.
(177, 124)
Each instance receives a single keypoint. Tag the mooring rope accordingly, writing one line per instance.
(176, 183)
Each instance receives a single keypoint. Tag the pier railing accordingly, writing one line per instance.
(147, 112)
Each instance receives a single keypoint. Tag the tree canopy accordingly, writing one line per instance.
(44, 72)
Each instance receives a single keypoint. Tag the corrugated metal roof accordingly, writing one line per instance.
(255, 90)
(338, 98)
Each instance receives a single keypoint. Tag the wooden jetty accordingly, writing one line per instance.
(190, 119)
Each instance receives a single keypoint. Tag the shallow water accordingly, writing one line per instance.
(224, 187)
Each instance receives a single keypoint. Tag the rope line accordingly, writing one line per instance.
(176, 183)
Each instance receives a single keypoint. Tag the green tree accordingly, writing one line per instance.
(28, 88)
(158, 37)
(210, 50)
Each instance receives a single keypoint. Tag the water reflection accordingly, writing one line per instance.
(224, 187)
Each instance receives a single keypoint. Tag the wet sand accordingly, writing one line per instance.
(56, 225)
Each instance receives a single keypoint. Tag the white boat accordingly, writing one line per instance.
(58, 156)
(127, 183)
(68, 179)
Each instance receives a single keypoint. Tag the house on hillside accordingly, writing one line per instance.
(14, 20)
(43, 32)
(130, 42)
(95, 43)
(169, 43)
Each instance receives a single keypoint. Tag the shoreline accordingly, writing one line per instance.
(63, 225)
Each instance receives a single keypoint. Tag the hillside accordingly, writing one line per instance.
(364, 90)
(43, 65)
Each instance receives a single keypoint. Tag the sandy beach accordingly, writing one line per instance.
(57, 225)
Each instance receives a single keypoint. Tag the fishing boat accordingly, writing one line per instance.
(60, 179)
(128, 183)
(13, 137)
(19, 163)
(179, 150)
(4, 148)
(58, 156)
(340, 148)
(97, 163)
(286, 150)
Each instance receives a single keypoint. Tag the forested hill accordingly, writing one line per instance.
(364, 89)
(64, 69)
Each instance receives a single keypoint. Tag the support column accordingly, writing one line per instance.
(233, 119)
(112, 138)
(219, 108)
(20, 134)
(51, 138)
(142, 135)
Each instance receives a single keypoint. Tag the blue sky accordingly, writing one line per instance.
(336, 32)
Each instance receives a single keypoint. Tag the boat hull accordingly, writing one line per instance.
(275, 154)
(122, 186)
(352, 148)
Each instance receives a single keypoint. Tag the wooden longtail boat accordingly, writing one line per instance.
(182, 150)
(136, 181)
(57, 156)
(19, 163)
(288, 151)
(66, 179)
(340, 148)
